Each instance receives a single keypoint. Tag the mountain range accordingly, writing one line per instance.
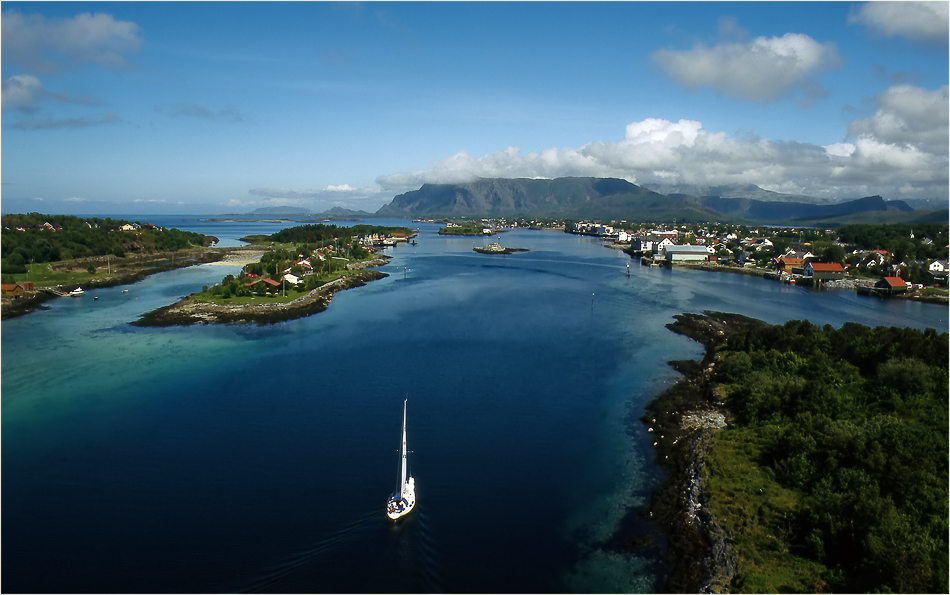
(616, 199)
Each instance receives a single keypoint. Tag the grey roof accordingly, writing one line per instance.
(686, 249)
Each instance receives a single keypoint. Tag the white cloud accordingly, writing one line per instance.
(840, 149)
(44, 45)
(762, 70)
(908, 115)
(159, 201)
(21, 92)
(74, 199)
(917, 21)
(896, 162)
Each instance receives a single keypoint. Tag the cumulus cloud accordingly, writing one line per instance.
(908, 115)
(899, 152)
(917, 21)
(74, 199)
(21, 92)
(762, 70)
(48, 45)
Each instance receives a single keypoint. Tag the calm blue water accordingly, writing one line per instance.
(244, 458)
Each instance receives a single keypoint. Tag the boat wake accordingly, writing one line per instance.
(294, 570)
(391, 557)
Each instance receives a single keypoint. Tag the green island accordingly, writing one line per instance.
(298, 271)
(805, 458)
(43, 256)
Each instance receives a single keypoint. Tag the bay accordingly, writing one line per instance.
(260, 458)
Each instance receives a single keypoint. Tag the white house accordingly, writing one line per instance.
(660, 246)
(291, 278)
(803, 254)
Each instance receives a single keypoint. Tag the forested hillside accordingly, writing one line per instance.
(834, 474)
(27, 238)
(318, 232)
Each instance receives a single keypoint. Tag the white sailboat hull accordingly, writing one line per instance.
(399, 507)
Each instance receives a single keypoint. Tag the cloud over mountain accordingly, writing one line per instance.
(899, 152)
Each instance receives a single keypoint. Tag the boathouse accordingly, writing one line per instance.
(686, 253)
(12, 290)
(824, 271)
(891, 285)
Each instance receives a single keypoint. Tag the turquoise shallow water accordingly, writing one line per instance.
(245, 458)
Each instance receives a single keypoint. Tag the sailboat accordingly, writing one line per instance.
(402, 502)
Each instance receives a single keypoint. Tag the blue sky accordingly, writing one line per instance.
(224, 107)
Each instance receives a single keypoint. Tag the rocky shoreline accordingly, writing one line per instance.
(683, 419)
(187, 312)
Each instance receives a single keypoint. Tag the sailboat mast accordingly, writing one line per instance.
(402, 482)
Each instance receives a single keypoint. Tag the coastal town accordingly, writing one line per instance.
(911, 264)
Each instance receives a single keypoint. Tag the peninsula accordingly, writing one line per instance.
(190, 311)
(297, 274)
(803, 458)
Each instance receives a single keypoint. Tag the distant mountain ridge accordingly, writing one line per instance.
(333, 212)
(734, 191)
(611, 198)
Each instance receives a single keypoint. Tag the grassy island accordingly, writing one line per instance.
(464, 229)
(827, 469)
